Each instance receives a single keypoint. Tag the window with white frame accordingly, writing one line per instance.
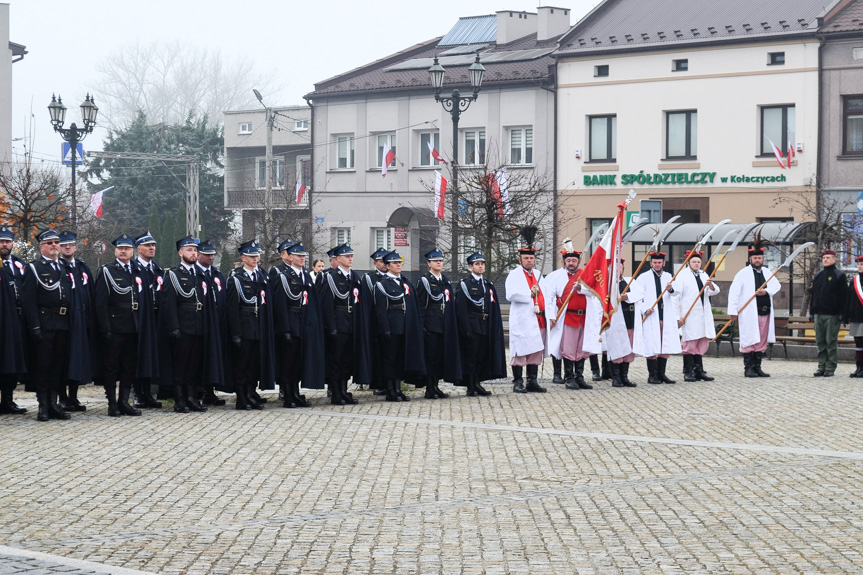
(681, 135)
(521, 145)
(245, 127)
(341, 236)
(777, 126)
(301, 125)
(304, 176)
(345, 152)
(277, 176)
(603, 139)
(382, 238)
(427, 138)
(474, 147)
(382, 140)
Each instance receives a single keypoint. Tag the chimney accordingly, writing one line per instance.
(552, 22)
(512, 25)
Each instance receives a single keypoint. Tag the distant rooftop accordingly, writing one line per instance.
(472, 30)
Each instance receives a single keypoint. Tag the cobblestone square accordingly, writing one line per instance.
(732, 476)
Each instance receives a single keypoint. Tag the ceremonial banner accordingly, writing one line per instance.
(602, 270)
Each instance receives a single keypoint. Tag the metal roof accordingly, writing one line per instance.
(777, 233)
(472, 30)
(466, 60)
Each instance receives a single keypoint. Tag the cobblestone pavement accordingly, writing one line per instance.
(732, 476)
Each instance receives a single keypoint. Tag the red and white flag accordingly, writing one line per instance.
(300, 192)
(435, 154)
(439, 194)
(499, 191)
(96, 202)
(777, 152)
(791, 151)
(602, 270)
(387, 157)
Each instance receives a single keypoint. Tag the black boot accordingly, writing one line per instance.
(606, 373)
(859, 372)
(145, 399)
(299, 399)
(123, 401)
(42, 414)
(480, 390)
(336, 398)
(286, 396)
(616, 380)
(699, 369)
(7, 404)
(391, 394)
(242, 401)
(653, 371)
(594, 368)
(555, 363)
(111, 396)
(253, 395)
(54, 409)
(579, 375)
(749, 365)
(532, 383)
(471, 390)
(179, 400)
(210, 398)
(689, 368)
(517, 380)
(401, 393)
(192, 400)
(72, 403)
(62, 399)
(569, 374)
(624, 375)
(349, 397)
(253, 403)
(756, 364)
(661, 363)
(430, 389)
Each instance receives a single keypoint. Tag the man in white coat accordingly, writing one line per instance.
(659, 323)
(692, 292)
(755, 321)
(559, 274)
(526, 322)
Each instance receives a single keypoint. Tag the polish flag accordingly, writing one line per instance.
(791, 152)
(96, 202)
(387, 158)
(777, 152)
(300, 192)
(434, 154)
(439, 194)
(600, 273)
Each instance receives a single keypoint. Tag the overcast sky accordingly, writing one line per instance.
(300, 42)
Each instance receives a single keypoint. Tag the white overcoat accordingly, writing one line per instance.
(670, 342)
(615, 340)
(742, 288)
(552, 287)
(525, 336)
(699, 324)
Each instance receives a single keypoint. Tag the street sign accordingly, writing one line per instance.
(66, 151)
(400, 237)
(632, 218)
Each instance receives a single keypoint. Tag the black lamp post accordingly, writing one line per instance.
(455, 105)
(73, 134)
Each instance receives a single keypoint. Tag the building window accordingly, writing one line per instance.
(521, 145)
(345, 152)
(245, 127)
(681, 135)
(777, 126)
(594, 224)
(853, 121)
(776, 58)
(603, 139)
(304, 176)
(427, 138)
(468, 246)
(382, 238)
(474, 147)
(599, 71)
(680, 65)
(301, 125)
(341, 236)
(278, 173)
(385, 140)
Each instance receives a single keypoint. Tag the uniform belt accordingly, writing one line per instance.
(764, 308)
(575, 311)
(61, 310)
(130, 305)
(348, 307)
(398, 306)
(197, 305)
(295, 308)
(474, 315)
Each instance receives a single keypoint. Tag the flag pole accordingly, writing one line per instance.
(674, 277)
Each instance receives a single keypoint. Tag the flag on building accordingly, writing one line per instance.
(435, 154)
(778, 153)
(439, 194)
(96, 202)
(387, 158)
(791, 152)
(300, 192)
(602, 270)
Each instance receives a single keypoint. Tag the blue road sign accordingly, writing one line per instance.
(67, 154)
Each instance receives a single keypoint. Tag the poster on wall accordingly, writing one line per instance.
(400, 237)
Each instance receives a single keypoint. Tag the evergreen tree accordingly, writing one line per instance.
(155, 226)
(168, 238)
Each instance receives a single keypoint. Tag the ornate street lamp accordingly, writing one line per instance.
(73, 134)
(455, 105)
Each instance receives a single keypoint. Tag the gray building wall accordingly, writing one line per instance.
(5, 88)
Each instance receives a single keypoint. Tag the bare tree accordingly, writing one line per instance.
(32, 198)
(169, 81)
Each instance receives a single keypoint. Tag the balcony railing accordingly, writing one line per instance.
(251, 198)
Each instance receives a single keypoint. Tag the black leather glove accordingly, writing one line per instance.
(107, 336)
(175, 335)
(287, 336)
(237, 341)
(36, 334)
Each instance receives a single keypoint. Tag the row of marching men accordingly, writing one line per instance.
(145, 332)
(657, 316)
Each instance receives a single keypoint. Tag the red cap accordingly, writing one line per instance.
(828, 253)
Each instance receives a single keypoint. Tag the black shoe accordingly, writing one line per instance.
(42, 414)
(819, 373)
(582, 384)
(481, 390)
(756, 364)
(662, 363)
(689, 369)
(54, 410)
(624, 375)
(533, 385)
(828, 373)
(595, 375)
(518, 386)
(253, 395)
(699, 369)
(571, 384)
(557, 379)
(440, 394)
(210, 398)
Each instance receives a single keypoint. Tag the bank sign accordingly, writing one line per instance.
(677, 179)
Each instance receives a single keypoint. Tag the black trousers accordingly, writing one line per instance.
(188, 358)
(340, 358)
(393, 357)
(476, 357)
(290, 361)
(121, 359)
(52, 357)
(433, 344)
(247, 367)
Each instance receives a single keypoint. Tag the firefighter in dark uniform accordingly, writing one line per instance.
(117, 304)
(480, 328)
(12, 359)
(85, 284)
(216, 282)
(369, 282)
(250, 325)
(440, 330)
(47, 299)
(145, 245)
(290, 285)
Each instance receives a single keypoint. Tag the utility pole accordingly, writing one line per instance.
(269, 168)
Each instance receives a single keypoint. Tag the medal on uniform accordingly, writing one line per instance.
(407, 290)
(84, 278)
(446, 295)
(356, 295)
(263, 298)
(305, 297)
(218, 283)
(140, 284)
(72, 279)
(204, 287)
(159, 282)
